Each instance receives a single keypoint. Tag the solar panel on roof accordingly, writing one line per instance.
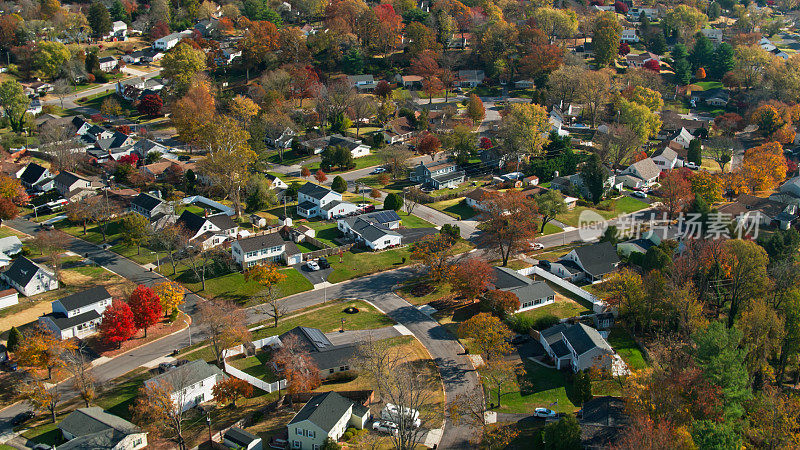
(316, 337)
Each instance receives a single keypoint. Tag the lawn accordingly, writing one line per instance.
(624, 205)
(326, 231)
(549, 228)
(561, 309)
(421, 292)
(463, 187)
(627, 348)
(360, 163)
(708, 85)
(456, 207)
(7, 231)
(541, 387)
(412, 221)
(257, 365)
(290, 157)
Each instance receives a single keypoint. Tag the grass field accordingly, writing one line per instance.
(561, 309)
(258, 366)
(624, 205)
(326, 231)
(412, 221)
(328, 317)
(627, 348)
(360, 163)
(456, 207)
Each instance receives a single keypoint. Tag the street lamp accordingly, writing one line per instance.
(208, 422)
(158, 260)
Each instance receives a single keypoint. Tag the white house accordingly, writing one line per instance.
(189, 384)
(8, 297)
(531, 294)
(479, 198)
(356, 147)
(470, 78)
(635, 14)
(237, 438)
(314, 200)
(208, 231)
(107, 63)
(438, 174)
(629, 35)
(639, 60)
(149, 206)
(640, 174)
(29, 278)
(681, 137)
(72, 186)
(171, 40)
(94, 428)
(375, 229)
(591, 262)
(398, 130)
(325, 416)
(275, 182)
(119, 30)
(77, 315)
(666, 159)
(713, 34)
(265, 248)
(364, 83)
(577, 347)
(36, 177)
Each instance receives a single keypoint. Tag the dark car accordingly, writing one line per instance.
(10, 366)
(22, 418)
(323, 263)
(184, 158)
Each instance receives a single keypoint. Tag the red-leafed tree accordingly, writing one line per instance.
(676, 191)
(471, 278)
(620, 8)
(150, 105)
(305, 172)
(131, 159)
(145, 306)
(320, 176)
(541, 60)
(729, 123)
(383, 89)
(230, 389)
(124, 129)
(302, 81)
(117, 325)
(12, 196)
(624, 49)
(429, 144)
(501, 303)
(159, 30)
(390, 26)
(485, 143)
(652, 64)
(299, 370)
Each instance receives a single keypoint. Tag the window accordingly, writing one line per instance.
(137, 442)
(331, 370)
(296, 444)
(299, 431)
(537, 301)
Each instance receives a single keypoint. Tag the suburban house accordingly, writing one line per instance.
(714, 34)
(265, 248)
(602, 420)
(682, 137)
(95, 428)
(284, 140)
(9, 246)
(576, 347)
(750, 211)
(107, 63)
(189, 384)
(275, 182)
(573, 184)
(638, 245)
(788, 192)
(713, 97)
(409, 81)
(73, 187)
(238, 438)
(375, 229)
(531, 294)
(77, 315)
(470, 78)
(329, 358)
(318, 145)
(666, 159)
(640, 174)
(438, 175)
(37, 178)
(8, 297)
(639, 60)
(629, 35)
(119, 31)
(29, 278)
(398, 130)
(171, 40)
(208, 231)
(479, 198)
(325, 416)
(364, 83)
(314, 200)
(635, 14)
(149, 206)
(590, 262)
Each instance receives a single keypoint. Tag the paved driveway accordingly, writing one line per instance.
(314, 277)
(411, 235)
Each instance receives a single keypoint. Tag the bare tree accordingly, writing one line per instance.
(618, 146)
(363, 108)
(271, 306)
(469, 408)
(203, 261)
(168, 240)
(61, 89)
(413, 195)
(224, 325)
(160, 405)
(51, 243)
(82, 377)
(395, 158)
(722, 149)
(58, 141)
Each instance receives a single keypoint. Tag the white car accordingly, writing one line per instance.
(377, 170)
(545, 413)
(312, 266)
(691, 165)
(538, 246)
(384, 426)
(640, 194)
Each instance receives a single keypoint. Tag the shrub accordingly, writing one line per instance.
(173, 315)
(347, 436)
(545, 322)
(520, 323)
(339, 185)
(351, 430)
(343, 377)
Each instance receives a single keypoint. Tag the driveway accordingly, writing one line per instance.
(320, 276)
(411, 235)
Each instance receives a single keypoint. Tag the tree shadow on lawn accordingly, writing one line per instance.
(533, 379)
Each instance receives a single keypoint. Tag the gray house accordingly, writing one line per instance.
(149, 206)
(325, 416)
(577, 347)
(438, 175)
(531, 294)
(94, 428)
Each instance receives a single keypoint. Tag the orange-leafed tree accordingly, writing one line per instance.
(676, 191)
(435, 252)
(305, 172)
(768, 119)
(224, 325)
(763, 167)
(171, 295)
(320, 176)
(41, 349)
(429, 144)
(475, 109)
(230, 389)
(145, 306)
(193, 113)
(375, 193)
(40, 397)
(266, 275)
(707, 185)
(299, 370)
(509, 223)
(700, 74)
(472, 277)
(155, 408)
(502, 303)
(12, 196)
(541, 60)
(488, 333)
(390, 26)
(785, 134)
(258, 43)
(117, 324)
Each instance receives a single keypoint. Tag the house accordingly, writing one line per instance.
(73, 187)
(208, 231)
(226, 55)
(207, 26)
(576, 347)
(398, 130)
(713, 34)
(117, 140)
(438, 175)
(573, 184)
(119, 31)
(37, 178)
(459, 41)
(635, 14)
(524, 84)
(283, 141)
(134, 88)
(751, 211)
(264, 248)
(34, 107)
(81, 125)
(603, 420)
(470, 78)
(77, 315)
(318, 145)
(666, 159)
(375, 229)
(151, 55)
(788, 192)
(638, 245)
(237, 438)
(479, 198)
(8, 297)
(171, 40)
(314, 200)
(329, 358)
(409, 81)
(531, 294)
(29, 278)
(629, 35)
(144, 147)
(149, 206)
(189, 384)
(107, 63)
(713, 97)
(275, 182)
(95, 428)
(9, 246)
(681, 137)
(363, 83)
(591, 262)
(639, 60)
(325, 416)
(640, 174)
(162, 170)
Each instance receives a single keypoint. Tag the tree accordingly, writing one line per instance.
(12, 196)
(471, 277)
(676, 191)
(499, 375)
(181, 64)
(135, 230)
(56, 140)
(562, 435)
(298, 368)
(168, 239)
(170, 294)
(158, 410)
(41, 349)
(723, 362)
(39, 396)
(244, 110)
(150, 105)
(593, 91)
(475, 109)
(549, 205)
(229, 158)
(429, 144)
(606, 38)
(83, 380)
(594, 175)
(702, 53)
(721, 149)
(488, 333)
(435, 252)
(685, 20)
(652, 64)
(320, 176)
(509, 223)
(258, 44)
(14, 103)
(145, 306)
(339, 185)
(745, 264)
(117, 324)
(193, 113)
(99, 19)
(639, 118)
(305, 172)
(393, 202)
(501, 303)
(49, 57)
(14, 339)
(707, 186)
(764, 167)
(224, 325)
(229, 389)
(694, 154)
(523, 129)
(363, 108)
(582, 384)
(700, 74)
(723, 60)
(268, 276)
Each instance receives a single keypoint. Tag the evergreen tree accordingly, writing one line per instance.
(393, 202)
(657, 44)
(723, 60)
(594, 176)
(694, 153)
(339, 185)
(583, 387)
(723, 362)
(702, 52)
(99, 19)
(14, 338)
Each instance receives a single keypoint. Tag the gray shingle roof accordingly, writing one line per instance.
(314, 190)
(85, 298)
(66, 178)
(534, 291)
(255, 243)
(240, 437)
(32, 173)
(223, 221)
(506, 278)
(191, 221)
(324, 410)
(320, 349)
(583, 338)
(146, 201)
(188, 374)
(86, 421)
(598, 259)
(646, 168)
(63, 322)
(371, 231)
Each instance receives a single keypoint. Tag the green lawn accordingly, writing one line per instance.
(258, 366)
(306, 247)
(289, 157)
(549, 228)
(326, 231)
(627, 348)
(412, 221)
(562, 310)
(463, 187)
(360, 163)
(409, 292)
(707, 85)
(329, 318)
(456, 207)
(624, 205)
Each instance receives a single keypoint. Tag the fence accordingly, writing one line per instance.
(327, 252)
(271, 341)
(597, 303)
(208, 202)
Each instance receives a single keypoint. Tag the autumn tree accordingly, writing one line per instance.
(56, 140)
(523, 129)
(435, 252)
(499, 376)
(170, 294)
(37, 394)
(267, 275)
(12, 197)
(746, 278)
(159, 405)
(117, 324)
(145, 306)
(501, 303)
(193, 113)
(488, 333)
(429, 144)
(181, 64)
(150, 105)
(135, 230)
(229, 158)
(297, 366)
(320, 176)
(606, 38)
(475, 109)
(14, 103)
(224, 325)
(764, 167)
(509, 224)
(676, 191)
(83, 379)
(471, 277)
(230, 389)
(41, 349)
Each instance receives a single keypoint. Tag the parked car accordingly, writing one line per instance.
(377, 170)
(10, 365)
(691, 165)
(312, 266)
(47, 226)
(22, 417)
(323, 263)
(640, 194)
(538, 246)
(384, 426)
(545, 413)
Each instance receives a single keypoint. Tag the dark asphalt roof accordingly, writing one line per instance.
(240, 437)
(382, 217)
(254, 243)
(146, 201)
(445, 177)
(602, 420)
(63, 322)
(223, 221)
(32, 173)
(85, 298)
(598, 259)
(505, 278)
(191, 221)
(533, 291)
(583, 338)
(306, 205)
(22, 271)
(324, 410)
(560, 349)
(330, 205)
(372, 231)
(188, 374)
(66, 178)
(319, 347)
(85, 421)
(314, 190)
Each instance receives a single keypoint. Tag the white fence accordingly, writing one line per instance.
(597, 303)
(208, 202)
(271, 341)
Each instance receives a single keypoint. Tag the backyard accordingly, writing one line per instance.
(623, 205)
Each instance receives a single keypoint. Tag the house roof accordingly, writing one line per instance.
(480, 194)
(449, 176)
(602, 420)
(67, 178)
(646, 169)
(240, 437)
(63, 322)
(370, 231)
(320, 348)
(583, 338)
(342, 141)
(222, 221)
(324, 410)
(187, 374)
(146, 201)
(746, 203)
(598, 259)
(95, 428)
(260, 241)
(381, 217)
(400, 125)
(314, 190)
(22, 271)
(534, 291)
(32, 173)
(10, 245)
(666, 153)
(505, 278)
(191, 221)
(106, 59)
(85, 298)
